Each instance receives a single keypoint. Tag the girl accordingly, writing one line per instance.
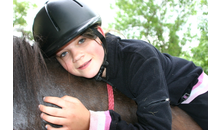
(71, 31)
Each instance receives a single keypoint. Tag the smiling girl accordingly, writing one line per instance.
(71, 31)
(82, 56)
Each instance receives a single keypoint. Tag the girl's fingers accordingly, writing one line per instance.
(55, 100)
(70, 99)
(48, 127)
(52, 111)
(53, 120)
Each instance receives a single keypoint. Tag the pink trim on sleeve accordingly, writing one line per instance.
(108, 120)
(200, 79)
(99, 120)
(200, 88)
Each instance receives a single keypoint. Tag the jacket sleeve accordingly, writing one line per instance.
(146, 82)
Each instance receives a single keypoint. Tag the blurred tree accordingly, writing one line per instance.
(157, 21)
(163, 23)
(20, 10)
(199, 54)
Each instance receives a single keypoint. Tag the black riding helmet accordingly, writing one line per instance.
(59, 21)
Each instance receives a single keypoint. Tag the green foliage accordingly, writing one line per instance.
(200, 53)
(157, 22)
(20, 10)
(163, 24)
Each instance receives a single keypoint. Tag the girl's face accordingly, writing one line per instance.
(82, 56)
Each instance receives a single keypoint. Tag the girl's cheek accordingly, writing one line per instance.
(99, 51)
(67, 66)
(63, 63)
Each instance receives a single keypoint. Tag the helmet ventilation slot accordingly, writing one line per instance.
(51, 19)
(78, 3)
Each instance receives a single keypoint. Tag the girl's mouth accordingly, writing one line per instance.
(85, 65)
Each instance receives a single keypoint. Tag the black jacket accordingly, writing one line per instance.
(153, 79)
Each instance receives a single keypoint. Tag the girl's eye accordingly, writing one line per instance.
(81, 41)
(63, 54)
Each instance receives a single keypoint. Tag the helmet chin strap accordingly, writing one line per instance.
(105, 63)
(99, 77)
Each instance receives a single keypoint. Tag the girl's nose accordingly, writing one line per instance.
(77, 56)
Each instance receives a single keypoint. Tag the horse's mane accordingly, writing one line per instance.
(26, 57)
(31, 82)
(28, 69)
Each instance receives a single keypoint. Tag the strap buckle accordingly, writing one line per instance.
(185, 97)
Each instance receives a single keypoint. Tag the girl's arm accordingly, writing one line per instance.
(146, 82)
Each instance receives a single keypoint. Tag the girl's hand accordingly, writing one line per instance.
(73, 115)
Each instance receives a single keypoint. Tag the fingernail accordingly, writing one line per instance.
(46, 126)
(43, 98)
(39, 106)
(41, 115)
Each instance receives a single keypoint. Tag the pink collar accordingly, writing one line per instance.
(110, 97)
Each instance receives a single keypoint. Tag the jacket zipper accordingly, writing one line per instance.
(158, 101)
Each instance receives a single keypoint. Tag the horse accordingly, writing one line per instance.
(35, 77)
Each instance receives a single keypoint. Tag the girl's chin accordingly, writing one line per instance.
(89, 76)
(89, 73)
